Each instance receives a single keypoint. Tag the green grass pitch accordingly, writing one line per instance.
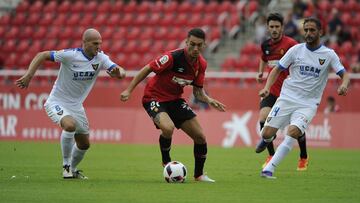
(133, 173)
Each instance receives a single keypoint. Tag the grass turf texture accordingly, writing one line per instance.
(133, 173)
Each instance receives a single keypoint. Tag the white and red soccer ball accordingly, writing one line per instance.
(175, 172)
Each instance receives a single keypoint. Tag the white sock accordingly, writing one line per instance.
(66, 141)
(283, 149)
(76, 156)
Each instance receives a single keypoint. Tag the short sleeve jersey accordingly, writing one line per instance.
(77, 75)
(309, 69)
(272, 53)
(173, 71)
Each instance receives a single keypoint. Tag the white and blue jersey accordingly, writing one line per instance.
(309, 70)
(76, 76)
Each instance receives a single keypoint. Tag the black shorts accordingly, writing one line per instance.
(268, 101)
(178, 110)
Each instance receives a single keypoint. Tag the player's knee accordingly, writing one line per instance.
(168, 130)
(294, 132)
(83, 146)
(267, 133)
(68, 125)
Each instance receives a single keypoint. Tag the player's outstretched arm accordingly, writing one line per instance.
(117, 72)
(200, 94)
(24, 81)
(143, 73)
(270, 81)
(343, 88)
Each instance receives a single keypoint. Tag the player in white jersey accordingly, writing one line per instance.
(309, 65)
(78, 71)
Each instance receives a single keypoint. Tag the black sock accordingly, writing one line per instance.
(302, 145)
(270, 147)
(200, 151)
(165, 146)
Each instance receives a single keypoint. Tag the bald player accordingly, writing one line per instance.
(79, 68)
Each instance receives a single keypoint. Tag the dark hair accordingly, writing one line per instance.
(314, 20)
(197, 32)
(275, 17)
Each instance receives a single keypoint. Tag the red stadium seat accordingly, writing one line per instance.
(181, 20)
(64, 7)
(229, 63)
(117, 47)
(324, 5)
(144, 46)
(170, 7)
(9, 46)
(24, 60)
(168, 19)
(50, 7)
(100, 19)
(161, 33)
(66, 33)
(73, 20)
(185, 7)
(5, 20)
(134, 33)
(131, 47)
(12, 33)
(114, 20)
(22, 46)
(19, 19)
(77, 7)
(26, 32)
(130, 7)
(117, 7)
(211, 7)
(158, 7)
(39, 33)
(104, 7)
(196, 20)
(36, 47)
(36, 7)
(59, 20)
(199, 7)
(22, 7)
(154, 19)
(144, 7)
(53, 32)
(3, 30)
(147, 34)
(87, 19)
(226, 6)
(47, 19)
(141, 19)
(49, 44)
(339, 5)
(63, 44)
(347, 49)
(90, 6)
(33, 19)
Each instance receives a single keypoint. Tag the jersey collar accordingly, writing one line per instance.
(82, 51)
(313, 49)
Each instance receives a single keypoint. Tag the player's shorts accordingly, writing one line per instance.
(57, 111)
(178, 110)
(285, 112)
(268, 101)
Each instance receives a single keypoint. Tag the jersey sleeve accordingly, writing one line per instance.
(287, 59)
(108, 64)
(200, 77)
(336, 64)
(62, 56)
(161, 63)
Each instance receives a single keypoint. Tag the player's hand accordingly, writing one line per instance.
(259, 77)
(125, 95)
(217, 105)
(117, 72)
(342, 90)
(264, 92)
(23, 82)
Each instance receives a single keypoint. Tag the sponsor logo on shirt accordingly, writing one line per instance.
(310, 71)
(181, 81)
(164, 59)
(86, 75)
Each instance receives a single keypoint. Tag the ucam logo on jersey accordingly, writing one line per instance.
(86, 75)
(310, 71)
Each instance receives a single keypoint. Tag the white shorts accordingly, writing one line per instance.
(285, 112)
(57, 111)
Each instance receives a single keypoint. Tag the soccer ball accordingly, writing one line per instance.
(175, 172)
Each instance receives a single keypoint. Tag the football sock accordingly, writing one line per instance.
(66, 141)
(302, 145)
(77, 155)
(165, 147)
(270, 147)
(283, 149)
(200, 151)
